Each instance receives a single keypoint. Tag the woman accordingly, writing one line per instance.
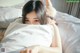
(36, 14)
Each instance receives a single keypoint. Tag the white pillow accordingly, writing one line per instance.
(8, 15)
(7, 3)
(10, 11)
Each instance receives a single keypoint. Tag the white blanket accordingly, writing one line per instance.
(18, 36)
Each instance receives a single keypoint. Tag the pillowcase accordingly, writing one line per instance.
(9, 11)
(7, 3)
(8, 15)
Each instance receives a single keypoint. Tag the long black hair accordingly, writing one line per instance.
(36, 6)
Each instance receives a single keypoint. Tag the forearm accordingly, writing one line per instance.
(50, 50)
(58, 38)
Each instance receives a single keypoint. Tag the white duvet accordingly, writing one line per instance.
(19, 36)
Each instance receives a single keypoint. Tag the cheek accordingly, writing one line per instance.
(36, 23)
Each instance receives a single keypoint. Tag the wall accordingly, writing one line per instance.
(60, 5)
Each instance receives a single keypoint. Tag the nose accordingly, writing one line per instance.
(31, 22)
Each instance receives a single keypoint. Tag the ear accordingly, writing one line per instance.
(48, 3)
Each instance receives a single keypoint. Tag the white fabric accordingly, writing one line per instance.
(19, 36)
(69, 27)
(7, 3)
(9, 11)
(8, 15)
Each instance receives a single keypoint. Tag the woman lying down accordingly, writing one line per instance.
(35, 34)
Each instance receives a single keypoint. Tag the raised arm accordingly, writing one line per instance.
(56, 44)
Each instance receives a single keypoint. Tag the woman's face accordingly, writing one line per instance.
(31, 18)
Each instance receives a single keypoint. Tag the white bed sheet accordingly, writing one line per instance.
(69, 27)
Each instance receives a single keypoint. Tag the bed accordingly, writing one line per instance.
(69, 26)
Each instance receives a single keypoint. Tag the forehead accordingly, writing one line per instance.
(31, 15)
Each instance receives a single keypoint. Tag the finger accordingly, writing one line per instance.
(21, 51)
(25, 51)
(48, 3)
(28, 51)
(54, 21)
(50, 21)
(35, 50)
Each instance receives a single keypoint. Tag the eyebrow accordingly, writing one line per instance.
(33, 18)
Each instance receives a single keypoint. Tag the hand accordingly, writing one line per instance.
(31, 49)
(50, 11)
(51, 22)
